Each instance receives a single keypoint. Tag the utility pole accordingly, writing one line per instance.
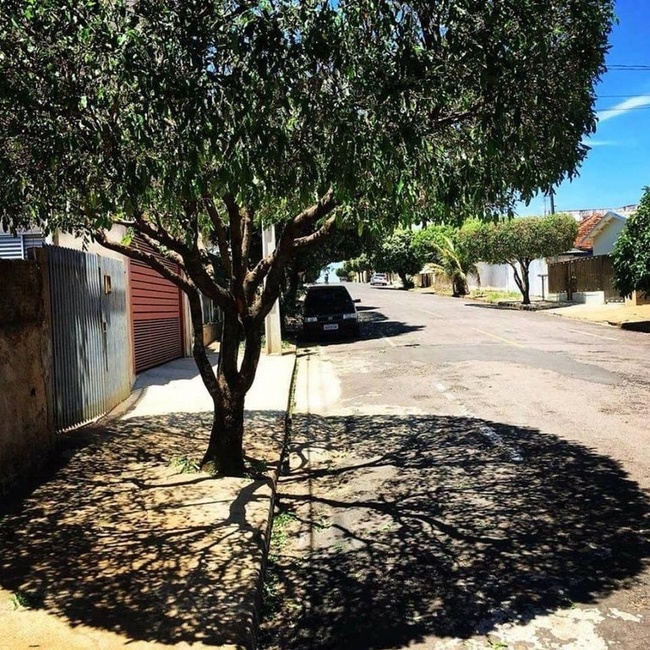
(272, 328)
(552, 197)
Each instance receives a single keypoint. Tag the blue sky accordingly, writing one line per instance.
(618, 166)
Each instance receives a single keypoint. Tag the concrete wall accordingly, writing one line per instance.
(26, 432)
(589, 297)
(637, 298)
(605, 239)
(502, 277)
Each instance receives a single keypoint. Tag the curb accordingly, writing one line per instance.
(279, 471)
(635, 326)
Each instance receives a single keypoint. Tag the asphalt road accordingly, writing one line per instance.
(465, 477)
(581, 381)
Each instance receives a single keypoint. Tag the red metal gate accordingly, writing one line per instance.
(156, 310)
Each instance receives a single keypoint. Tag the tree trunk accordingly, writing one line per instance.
(405, 281)
(525, 273)
(522, 281)
(459, 285)
(288, 297)
(225, 452)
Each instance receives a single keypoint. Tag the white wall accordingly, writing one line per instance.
(604, 240)
(502, 277)
(116, 234)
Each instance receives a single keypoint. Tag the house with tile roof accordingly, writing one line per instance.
(599, 233)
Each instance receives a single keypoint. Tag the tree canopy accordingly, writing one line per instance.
(120, 107)
(193, 122)
(631, 255)
(518, 242)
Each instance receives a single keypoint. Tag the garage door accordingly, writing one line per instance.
(156, 317)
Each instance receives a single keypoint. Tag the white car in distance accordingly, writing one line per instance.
(379, 279)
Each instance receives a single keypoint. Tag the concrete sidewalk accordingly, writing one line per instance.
(634, 317)
(119, 546)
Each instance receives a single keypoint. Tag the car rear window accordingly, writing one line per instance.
(331, 300)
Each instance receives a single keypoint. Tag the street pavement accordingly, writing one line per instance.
(465, 477)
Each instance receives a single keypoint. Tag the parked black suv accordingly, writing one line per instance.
(329, 309)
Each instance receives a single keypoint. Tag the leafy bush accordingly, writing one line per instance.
(631, 255)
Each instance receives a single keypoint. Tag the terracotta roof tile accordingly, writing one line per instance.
(585, 228)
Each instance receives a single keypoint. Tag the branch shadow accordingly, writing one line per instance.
(372, 325)
(375, 325)
(408, 527)
(116, 537)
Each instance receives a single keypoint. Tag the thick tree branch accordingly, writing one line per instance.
(147, 258)
(314, 212)
(160, 235)
(192, 216)
(310, 240)
(171, 255)
(198, 348)
(191, 259)
(271, 267)
(247, 228)
(220, 232)
(234, 216)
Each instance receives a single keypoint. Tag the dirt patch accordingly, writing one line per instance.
(122, 542)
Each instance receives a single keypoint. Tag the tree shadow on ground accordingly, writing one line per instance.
(372, 325)
(408, 527)
(116, 537)
(375, 325)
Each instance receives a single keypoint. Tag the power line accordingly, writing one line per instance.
(628, 66)
(633, 67)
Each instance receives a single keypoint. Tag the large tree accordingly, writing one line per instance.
(194, 122)
(518, 242)
(631, 255)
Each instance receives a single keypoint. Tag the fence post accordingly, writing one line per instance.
(41, 256)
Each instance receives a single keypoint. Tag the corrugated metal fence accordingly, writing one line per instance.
(18, 247)
(90, 334)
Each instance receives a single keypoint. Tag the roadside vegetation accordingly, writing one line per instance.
(454, 252)
(631, 256)
(517, 242)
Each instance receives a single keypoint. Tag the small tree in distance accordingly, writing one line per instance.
(456, 263)
(631, 255)
(518, 242)
(398, 253)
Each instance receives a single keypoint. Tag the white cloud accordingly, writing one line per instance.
(623, 107)
(600, 143)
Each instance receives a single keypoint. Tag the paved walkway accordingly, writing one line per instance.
(613, 313)
(120, 546)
